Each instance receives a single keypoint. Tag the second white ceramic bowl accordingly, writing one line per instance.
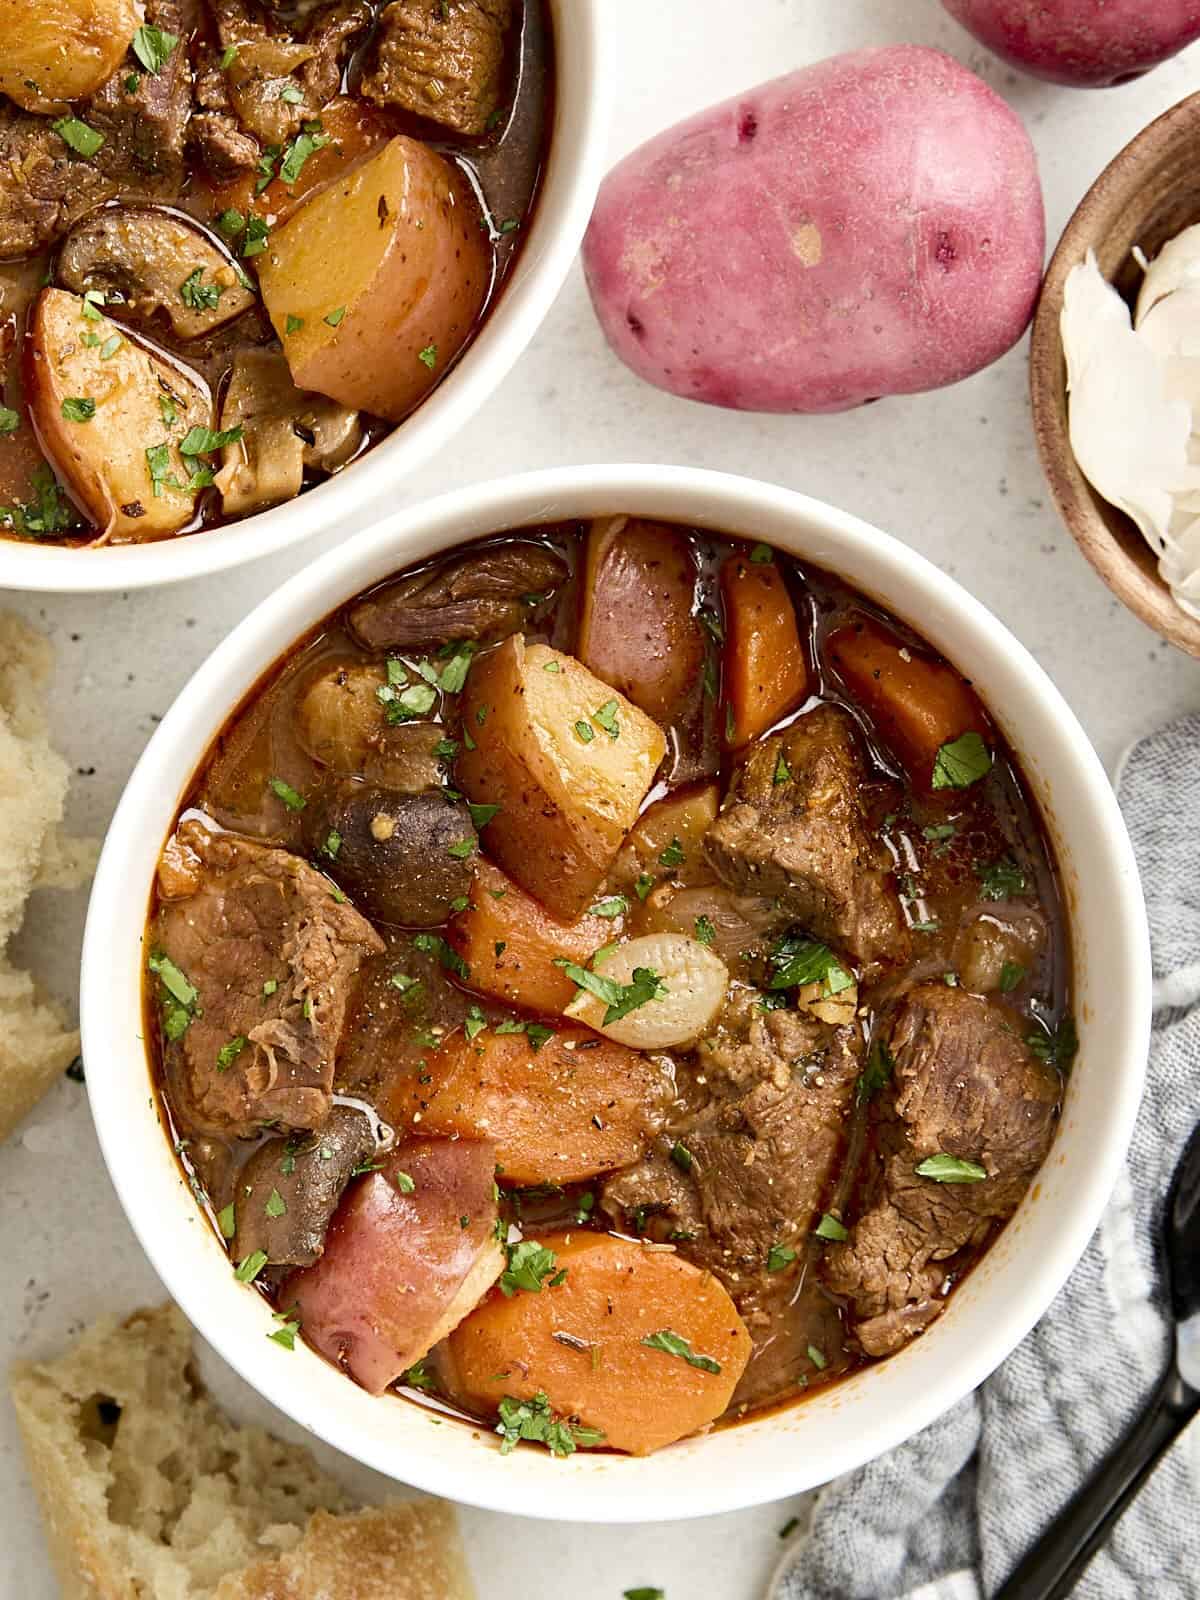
(779, 1452)
(575, 164)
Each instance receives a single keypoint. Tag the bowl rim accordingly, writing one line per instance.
(1136, 584)
(778, 1452)
(585, 83)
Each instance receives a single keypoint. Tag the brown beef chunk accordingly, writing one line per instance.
(963, 1084)
(441, 59)
(332, 34)
(43, 186)
(289, 1188)
(764, 1155)
(803, 839)
(254, 918)
(475, 597)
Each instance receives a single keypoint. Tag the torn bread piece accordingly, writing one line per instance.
(147, 1489)
(36, 1042)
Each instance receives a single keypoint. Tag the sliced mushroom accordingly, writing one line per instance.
(284, 430)
(149, 261)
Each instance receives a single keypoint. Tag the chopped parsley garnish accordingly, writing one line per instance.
(1011, 974)
(404, 1182)
(462, 849)
(530, 1265)
(10, 420)
(198, 295)
(333, 843)
(285, 1334)
(92, 300)
(166, 410)
(203, 441)
(249, 1268)
(275, 1206)
(615, 906)
(78, 408)
(817, 1357)
(453, 675)
(673, 855)
(226, 1222)
(762, 554)
(1058, 1048)
(474, 1023)
(534, 1420)
(228, 57)
(255, 240)
(877, 1072)
(585, 732)
(951, 1169)
(797, 962)
(961, 762)
(417, 1378)
(179, 999)
(643, 1593)
(705, 933)
(291, 798)
(783, 772)
(270, 987)
(536, 1032)
(682, 1157)
(334, 317)
(482, 815)
(293, 324)
(231, 223)
(1000, 880)
(110, 347)
(49, 512)
(674, 1344)
(830, 1228)
(643, 885)
(939, 831)
(606, 717)
(428, 356)
(294, 157)
(620, 998)
(78, 136)
(153, 46)
(780, 1256)
(449, 957)
(228, 1053)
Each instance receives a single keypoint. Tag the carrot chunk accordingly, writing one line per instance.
(765, 673)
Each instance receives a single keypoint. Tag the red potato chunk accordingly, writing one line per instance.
(402, 1267)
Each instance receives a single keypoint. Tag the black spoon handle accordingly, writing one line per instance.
(1054, 1565)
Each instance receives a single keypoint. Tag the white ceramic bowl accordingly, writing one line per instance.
(786, 1450)
(574, 168)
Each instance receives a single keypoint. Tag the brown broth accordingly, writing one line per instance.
(388, 1033)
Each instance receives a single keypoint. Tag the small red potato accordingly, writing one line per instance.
(1089, 44)
(401, 1266)
(871, 225)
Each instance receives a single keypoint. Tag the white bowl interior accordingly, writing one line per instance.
(569, 183)
(786, 1450)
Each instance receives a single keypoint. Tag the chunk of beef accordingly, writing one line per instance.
(964, 1085)
(266, 94)
(441, 59)
(272, 955)
(289, 1188)
(144, 129)
(45, 186)
(482, 596)
(216, 137)
(805, 840)
(764, 1155)
(332, 34)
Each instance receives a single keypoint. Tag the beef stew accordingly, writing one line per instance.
(745, 984)
(243, 241)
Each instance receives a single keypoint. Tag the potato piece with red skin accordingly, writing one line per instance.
(375, 282)
(56, 51)
(764, 674)
(616, 1294)
(869, 225)
(1084, 45)
(638, 630)
(511, 943)
(576, 1106)
(917, 704)
(400, 1267)
(567, 761)
(102, 453)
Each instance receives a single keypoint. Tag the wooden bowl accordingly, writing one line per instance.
(1144, 197)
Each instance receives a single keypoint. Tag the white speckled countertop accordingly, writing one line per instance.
(954, 473)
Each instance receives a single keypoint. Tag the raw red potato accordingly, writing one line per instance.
(1085, 43)
(401, 1268)
(917, 704)
(510, 943)
(764, 674)
(615, 1297)
(871, 225)
(638, 630)
(574, 1106)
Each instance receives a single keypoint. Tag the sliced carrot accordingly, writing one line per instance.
(510, 942)
(765, 673)
(572, 1107)
(584, 1344)
(917, 704)
(353, 130)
